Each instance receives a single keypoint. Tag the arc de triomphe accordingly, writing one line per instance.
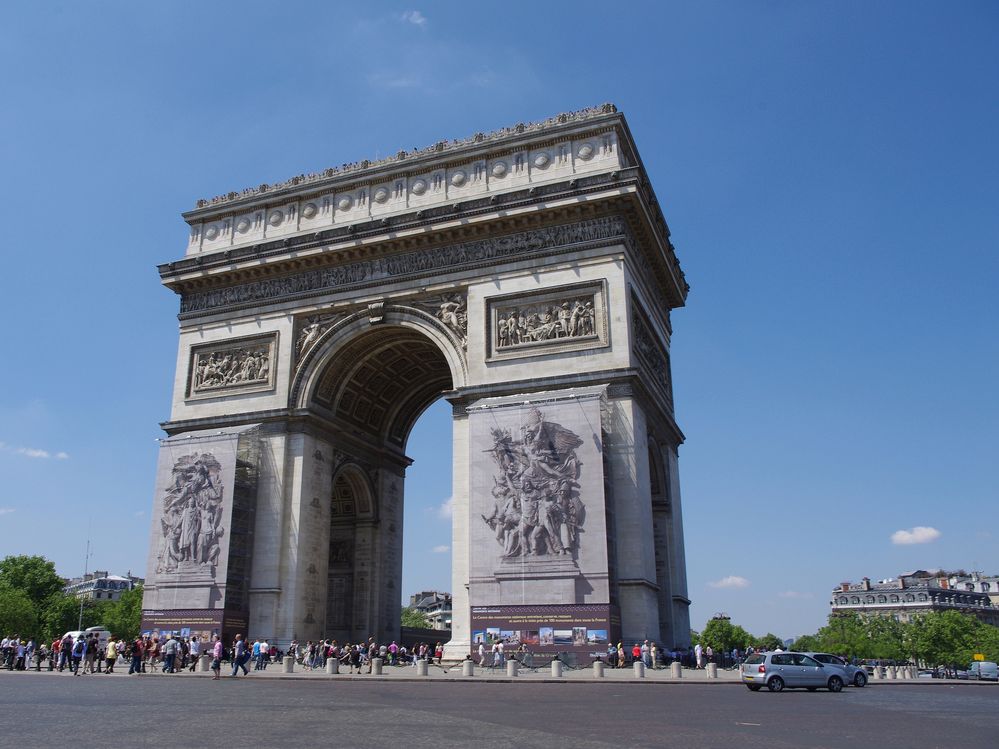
(524, 275)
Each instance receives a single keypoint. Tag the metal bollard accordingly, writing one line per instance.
(557, 669)
(468, 667)
(676, 670)
(598, 669)
(421, 667)
(376, 666)
(639, 669)
(711, 671)
(511, 667)
(205, 663)
(289, 664)
(332, 666)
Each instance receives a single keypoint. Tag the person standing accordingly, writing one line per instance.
(698, 656)
(217, 658)
(135, 667)
(482, 653)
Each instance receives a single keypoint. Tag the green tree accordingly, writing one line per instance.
(721, 635)
(769, 641)
(887, 639)
(34, 576)
(413, 618)
(61, 614)
(944, 637)
(846, 634)
(807, 644)
(124, 617)
(17, 613)
(695, 637)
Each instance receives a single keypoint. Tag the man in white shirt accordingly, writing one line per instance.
(195, 647)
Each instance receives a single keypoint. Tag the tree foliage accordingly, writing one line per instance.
(34, 576)
(17, 613)
(721, 635)
(934, 638)
(32, 604)
(124, 616)
(414, 618)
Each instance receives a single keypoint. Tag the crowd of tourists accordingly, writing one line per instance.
(358, 657)
(90, 654)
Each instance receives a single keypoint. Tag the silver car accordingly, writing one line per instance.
(856, 675)
(779, 671)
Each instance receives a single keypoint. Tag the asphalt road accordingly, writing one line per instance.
(46, 710)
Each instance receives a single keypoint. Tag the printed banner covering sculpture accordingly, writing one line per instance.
(543, 514)
(198, 559)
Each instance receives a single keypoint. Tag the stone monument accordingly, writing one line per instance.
(524, 275)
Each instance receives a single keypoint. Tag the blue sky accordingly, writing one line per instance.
(829, 172)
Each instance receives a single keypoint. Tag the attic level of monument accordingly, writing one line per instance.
(423, 205)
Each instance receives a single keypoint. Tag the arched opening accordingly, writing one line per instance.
(368, 384)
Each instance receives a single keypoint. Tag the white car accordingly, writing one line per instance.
(855, 675)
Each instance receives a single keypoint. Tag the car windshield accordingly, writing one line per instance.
(755, 658)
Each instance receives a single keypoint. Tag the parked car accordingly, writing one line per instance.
(779, 671)
(855, 675)
(983, 671)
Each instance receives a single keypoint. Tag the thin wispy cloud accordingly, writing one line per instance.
(794, 594)
(732, 581)
(921, 534)
(414, 17)
(446, 508)
(442, 549)
(6, 510)
(33, 452)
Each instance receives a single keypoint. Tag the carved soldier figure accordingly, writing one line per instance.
(528, 526)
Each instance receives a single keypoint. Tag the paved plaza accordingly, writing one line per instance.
(272, 710)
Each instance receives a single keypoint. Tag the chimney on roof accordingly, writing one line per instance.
(867, 583)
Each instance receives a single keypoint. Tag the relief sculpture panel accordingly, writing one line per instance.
(229, 367)
(562, 319)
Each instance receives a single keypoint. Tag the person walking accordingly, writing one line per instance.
(110, 656)
(79, 650)
(195, 654)
(239, 656)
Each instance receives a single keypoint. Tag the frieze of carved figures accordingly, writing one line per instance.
(411, 263)
(231, 367)
(551, 320)
(450, 309)
(537, 510)
(191, 519)
(649, 351)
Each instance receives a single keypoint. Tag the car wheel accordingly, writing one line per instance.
(753, 687)
(835, 684)
(776, 684)
(860, 679)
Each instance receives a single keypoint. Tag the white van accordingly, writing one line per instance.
(983, 670)
(103, 635)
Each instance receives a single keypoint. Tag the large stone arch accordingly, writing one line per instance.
(348, 328)
(527, 276)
